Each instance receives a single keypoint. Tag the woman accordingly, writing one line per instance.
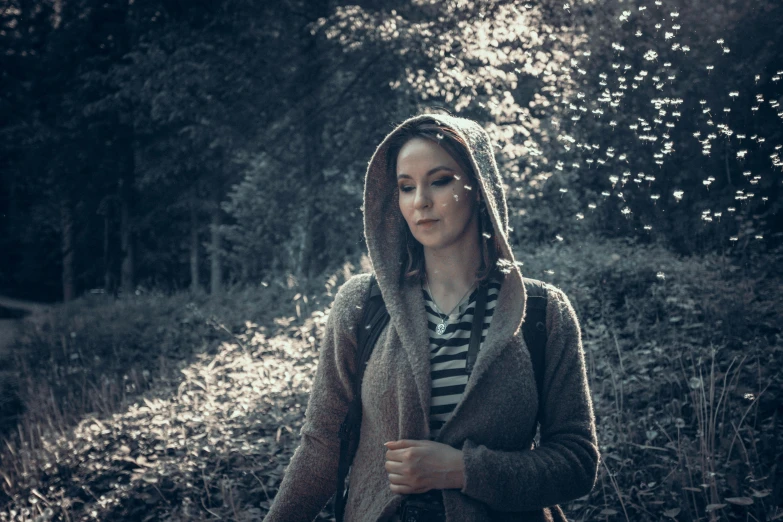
(436, 226)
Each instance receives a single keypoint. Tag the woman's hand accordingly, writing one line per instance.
(417, 466)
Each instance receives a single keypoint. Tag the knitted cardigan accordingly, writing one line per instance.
(506, 478)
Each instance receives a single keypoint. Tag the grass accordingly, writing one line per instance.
(685, 371)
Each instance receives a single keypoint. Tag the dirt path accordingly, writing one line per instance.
(9, 328)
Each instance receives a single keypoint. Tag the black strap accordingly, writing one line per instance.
(534, 332)
(478, 327)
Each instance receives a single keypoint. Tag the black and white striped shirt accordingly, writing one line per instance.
(448, 352)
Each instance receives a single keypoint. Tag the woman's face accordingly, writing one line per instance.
(432, 186)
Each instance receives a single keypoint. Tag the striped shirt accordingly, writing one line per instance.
(448, 352)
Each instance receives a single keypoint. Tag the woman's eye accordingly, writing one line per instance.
(439, 183)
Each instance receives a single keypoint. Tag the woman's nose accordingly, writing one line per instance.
(422, 199)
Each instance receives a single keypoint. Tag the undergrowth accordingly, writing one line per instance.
(189, 408)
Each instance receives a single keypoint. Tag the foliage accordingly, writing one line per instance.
(683, 358)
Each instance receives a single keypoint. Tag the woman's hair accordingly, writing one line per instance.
(412, 251)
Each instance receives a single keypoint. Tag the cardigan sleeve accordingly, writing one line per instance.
(565, 465)
(310, 479)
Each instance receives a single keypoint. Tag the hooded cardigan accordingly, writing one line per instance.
(506, 478)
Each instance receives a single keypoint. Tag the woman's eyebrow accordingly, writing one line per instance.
(429, 172)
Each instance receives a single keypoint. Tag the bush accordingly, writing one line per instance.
(684, 358)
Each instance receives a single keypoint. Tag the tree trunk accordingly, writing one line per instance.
(216, 268)
(195, 287)
(67, 245)
(314, 178)
(127, 207)
(106, 269)
(112, 251)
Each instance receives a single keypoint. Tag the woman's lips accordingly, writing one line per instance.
(428, 223)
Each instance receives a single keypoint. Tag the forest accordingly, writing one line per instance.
(181, 197)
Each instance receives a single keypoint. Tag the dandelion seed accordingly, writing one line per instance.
(654, 197)
(660, 275)
(658, 26)
(685, 48)
(626, 211)
(678, 194)
(563, 190)
(468, 187)
(605, 194)
(658, 2)
(439, 136)
(642, 8)
(757, 78)
(559, 237)
(486, 235)
(742, 153)
(638, 33)
(566, 7)
(456, 197)
(733, 238)
(592, 206)
(676, 27)
(674, 14)
(579, 215)
(726, 50)
(650, 55)
(668, 36)
(709, 68)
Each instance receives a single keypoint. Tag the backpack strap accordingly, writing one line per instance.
(375, 317)
(534, 332)
(477, 328)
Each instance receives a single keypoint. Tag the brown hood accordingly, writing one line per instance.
(382, 230)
